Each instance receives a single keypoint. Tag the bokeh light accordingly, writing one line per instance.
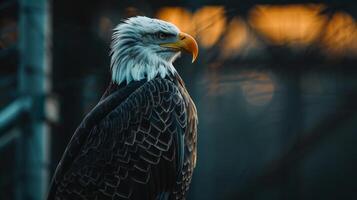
(235, 38)
(295, 25)
(210, 24)
(179, 16)
(207, 23)
(258, 89)
(341, 35)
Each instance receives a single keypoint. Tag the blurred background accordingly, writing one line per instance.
(275, 87)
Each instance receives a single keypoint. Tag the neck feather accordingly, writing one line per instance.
(130, 66)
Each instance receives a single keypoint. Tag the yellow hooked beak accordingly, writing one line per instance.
(186, 43)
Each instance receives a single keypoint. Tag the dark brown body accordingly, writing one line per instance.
(138, 143)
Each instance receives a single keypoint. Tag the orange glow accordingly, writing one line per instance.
(210, 24)
(235, 38)
(258, 90)
(178, 16)
(297, 26)
(291, 24)
(207, 23)
(341, 35)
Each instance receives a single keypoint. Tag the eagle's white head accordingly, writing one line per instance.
(144, 48)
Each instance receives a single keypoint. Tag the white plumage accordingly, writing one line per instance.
(136, 52)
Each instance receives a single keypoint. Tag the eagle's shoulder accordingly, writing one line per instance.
(155, 92)
(158, 93)
(161, 85)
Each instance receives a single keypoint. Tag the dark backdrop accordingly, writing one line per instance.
(277, 109)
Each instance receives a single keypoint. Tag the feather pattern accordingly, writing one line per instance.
(139, 142)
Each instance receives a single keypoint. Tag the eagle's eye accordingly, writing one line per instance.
(162, 35)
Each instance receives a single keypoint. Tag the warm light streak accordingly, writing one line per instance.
(258, 89)
(341, 35)
(237, 35)
(210, 23)
(297, 25)
(181, 17)
(206, 24)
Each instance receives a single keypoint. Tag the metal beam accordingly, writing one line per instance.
(8, 138)
(14, 111)
(32, 146)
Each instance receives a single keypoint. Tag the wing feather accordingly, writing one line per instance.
(130, 153)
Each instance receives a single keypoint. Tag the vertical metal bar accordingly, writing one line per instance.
(32, 152)
(291, 130)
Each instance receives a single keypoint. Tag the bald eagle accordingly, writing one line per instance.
(139, 141)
